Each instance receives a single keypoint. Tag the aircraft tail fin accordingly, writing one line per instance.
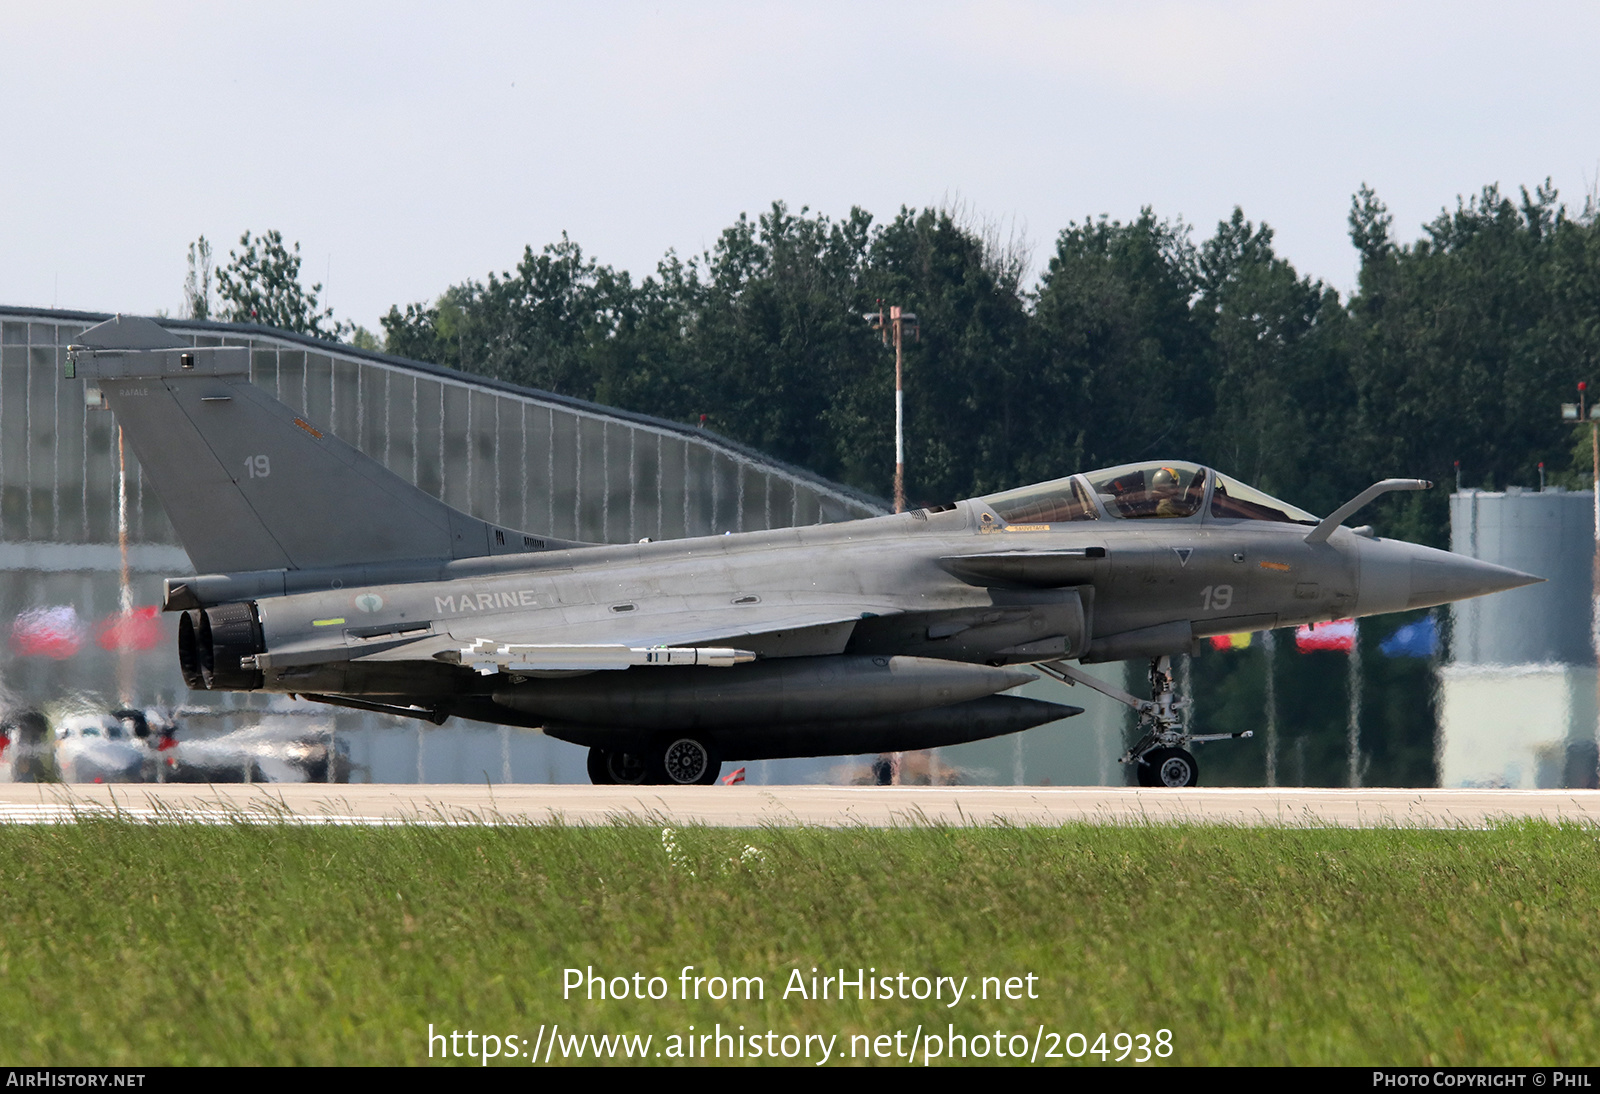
(250, 485)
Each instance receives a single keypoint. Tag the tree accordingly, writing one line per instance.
(1278, 369)
(197, 285)
(1123, 358)
(1467, 340)
(262, 285)
(546, 325)
(976, 418)
(776, 346)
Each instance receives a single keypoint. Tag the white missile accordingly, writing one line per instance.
(488, 657)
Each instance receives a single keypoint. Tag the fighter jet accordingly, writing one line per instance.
(322, 574)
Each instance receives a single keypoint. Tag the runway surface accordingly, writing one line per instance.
(755, 806)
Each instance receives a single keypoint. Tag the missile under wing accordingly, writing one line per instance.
(321, 573)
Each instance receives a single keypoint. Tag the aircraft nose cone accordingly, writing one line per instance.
(1396, 575)
(1439, 577)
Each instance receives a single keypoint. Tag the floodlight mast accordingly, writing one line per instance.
(895, 324)
(897, 321)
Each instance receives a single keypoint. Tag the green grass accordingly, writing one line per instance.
(122, 943)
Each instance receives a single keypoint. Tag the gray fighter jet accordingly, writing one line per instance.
(321, 573)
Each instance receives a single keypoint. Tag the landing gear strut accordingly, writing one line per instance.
(1161, 753)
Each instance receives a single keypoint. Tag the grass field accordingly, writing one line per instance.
(122, 943)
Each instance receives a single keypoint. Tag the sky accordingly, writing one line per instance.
(408, 147)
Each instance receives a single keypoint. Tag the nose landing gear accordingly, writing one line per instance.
(1168, 767)
(1161, 753)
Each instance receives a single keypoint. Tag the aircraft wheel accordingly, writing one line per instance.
(599, 772)
(625, 769)
(687, 761)
(1169, 767)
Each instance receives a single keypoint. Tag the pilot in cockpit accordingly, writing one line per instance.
(1167, 494)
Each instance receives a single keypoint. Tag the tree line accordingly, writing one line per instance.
(1136, 342)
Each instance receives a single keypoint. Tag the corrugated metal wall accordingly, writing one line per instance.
(1549, 533)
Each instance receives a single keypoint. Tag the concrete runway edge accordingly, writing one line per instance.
(822, 806)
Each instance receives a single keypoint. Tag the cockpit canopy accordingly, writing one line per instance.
(1143, 491)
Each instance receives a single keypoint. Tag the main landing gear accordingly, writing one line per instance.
(670, 761)
(608, 768)
(1161, 753)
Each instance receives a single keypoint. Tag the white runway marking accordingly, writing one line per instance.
(63, 813)
(756, 806)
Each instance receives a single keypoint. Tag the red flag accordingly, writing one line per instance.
(732, 777)
(47, 632)
(140, 629)
(1339, 635)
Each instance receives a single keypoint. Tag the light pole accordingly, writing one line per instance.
(895, 324)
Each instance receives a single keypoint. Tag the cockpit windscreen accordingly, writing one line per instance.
(1141, 491)
(1234, 499)
(1047, 503)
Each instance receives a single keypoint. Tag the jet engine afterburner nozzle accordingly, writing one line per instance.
(214, 643)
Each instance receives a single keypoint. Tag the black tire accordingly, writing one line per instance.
(599, 774)
(686, 761)
(1169, 767)
(626, 769)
